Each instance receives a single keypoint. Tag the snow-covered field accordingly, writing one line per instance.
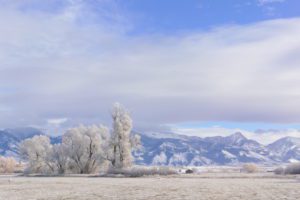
(204, 186)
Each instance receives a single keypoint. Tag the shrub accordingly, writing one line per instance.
(279, 170)
(7, 165)
(250, 168)
(143, 171)
(189, 171)
(293, 168)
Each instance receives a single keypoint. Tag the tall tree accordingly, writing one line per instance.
(122, 142)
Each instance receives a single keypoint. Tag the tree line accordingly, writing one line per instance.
(84, 149)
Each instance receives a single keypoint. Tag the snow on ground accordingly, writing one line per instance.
(228, 155)
(203, 186)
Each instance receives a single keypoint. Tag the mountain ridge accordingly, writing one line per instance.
(175, 149)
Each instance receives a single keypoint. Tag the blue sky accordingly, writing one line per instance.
(176, 15)
(168, 16)
(197, 67)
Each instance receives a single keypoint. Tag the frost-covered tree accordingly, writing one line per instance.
(122, 142)
(59, 158)
(85, 147)
(82, 151)
(37, 151)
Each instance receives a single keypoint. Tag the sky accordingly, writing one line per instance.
(195, 67)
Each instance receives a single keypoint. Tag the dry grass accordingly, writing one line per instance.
(243, 186)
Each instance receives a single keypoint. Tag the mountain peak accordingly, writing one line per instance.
(289, 139)
(288, 148)
(235, 139)
(237, 135)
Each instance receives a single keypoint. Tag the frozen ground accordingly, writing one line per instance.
(206, 186)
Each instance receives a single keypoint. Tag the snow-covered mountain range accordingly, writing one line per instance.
(9, 139)
(174, 149)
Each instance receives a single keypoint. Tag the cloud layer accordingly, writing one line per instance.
(73, 62)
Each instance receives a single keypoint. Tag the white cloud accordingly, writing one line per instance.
(263, 2)
(55, 126)
(76, 67)
(57, 121)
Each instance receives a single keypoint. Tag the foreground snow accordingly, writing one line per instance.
(204, 186)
